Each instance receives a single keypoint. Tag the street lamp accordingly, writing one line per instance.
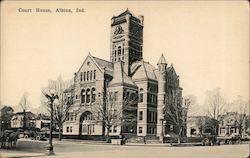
(51, 98)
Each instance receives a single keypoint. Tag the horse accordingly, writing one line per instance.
(3, 137)
(12, 139)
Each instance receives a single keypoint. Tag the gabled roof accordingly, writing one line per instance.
(21, 113)
(142, 69)
(162, 60)
(171, 68)
(100, 63)
(103, 63)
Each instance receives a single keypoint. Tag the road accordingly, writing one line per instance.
(71, 149)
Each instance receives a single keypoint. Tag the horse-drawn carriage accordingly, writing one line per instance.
(8, 138)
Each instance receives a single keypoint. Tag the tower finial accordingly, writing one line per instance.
(162, 60)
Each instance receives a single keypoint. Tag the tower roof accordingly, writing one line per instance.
(123, 13)
(162, 60)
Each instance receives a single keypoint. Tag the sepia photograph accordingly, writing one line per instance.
(128, 79)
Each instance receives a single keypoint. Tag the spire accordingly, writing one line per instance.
(162, 60)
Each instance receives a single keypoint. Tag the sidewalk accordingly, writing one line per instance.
(5, 153)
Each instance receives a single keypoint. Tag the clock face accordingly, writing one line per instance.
(118, 30)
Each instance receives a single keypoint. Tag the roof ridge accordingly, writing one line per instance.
(102, 59)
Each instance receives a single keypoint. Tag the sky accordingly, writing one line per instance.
(207, 42)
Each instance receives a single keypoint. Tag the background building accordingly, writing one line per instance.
(24, 120)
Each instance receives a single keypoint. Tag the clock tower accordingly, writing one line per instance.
(126, 39)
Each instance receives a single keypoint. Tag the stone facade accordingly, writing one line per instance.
(126, 75)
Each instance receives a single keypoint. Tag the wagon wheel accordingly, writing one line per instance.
(26, 136)
(206, 142)
(230, 142)
(38, 137)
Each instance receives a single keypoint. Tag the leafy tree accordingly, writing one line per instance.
(6, 115)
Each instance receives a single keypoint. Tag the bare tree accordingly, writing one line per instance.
(241, 115)
(216, 107)
(63, 104)
(109, 111)
(176, 115)
(24, 104)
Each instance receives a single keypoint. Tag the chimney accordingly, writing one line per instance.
(118, 72)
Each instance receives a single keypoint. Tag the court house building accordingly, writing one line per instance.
(125, 79)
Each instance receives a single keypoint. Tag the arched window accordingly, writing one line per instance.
(119, 50)
(88, 96)
(93, 95)
(84, 76)
(94, 74)
(83, 96)
(122, 51)
(81, 77)
(91, 75)
(115, 53)
(87, 75)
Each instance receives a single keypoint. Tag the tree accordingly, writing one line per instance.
(216, 107)
(241, 115)
(62, 105)
(24, 104)
(6, 115)
(176, 115)
(109, 111)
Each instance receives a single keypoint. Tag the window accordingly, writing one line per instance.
(81, 77)
(84, 76)
(140, 129)
(119, 50)
(83, 96)
(141, 115)
(84, 128)
(115, 130)
(91, 75)
(141, 97)
(94, 74)
(93, 95)
(75, 116)
(164, 101)
(87, 75)
(88, 96)
(71, 116)
(116, 96)
(67, 129)
(67, 116)
(70, 128)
